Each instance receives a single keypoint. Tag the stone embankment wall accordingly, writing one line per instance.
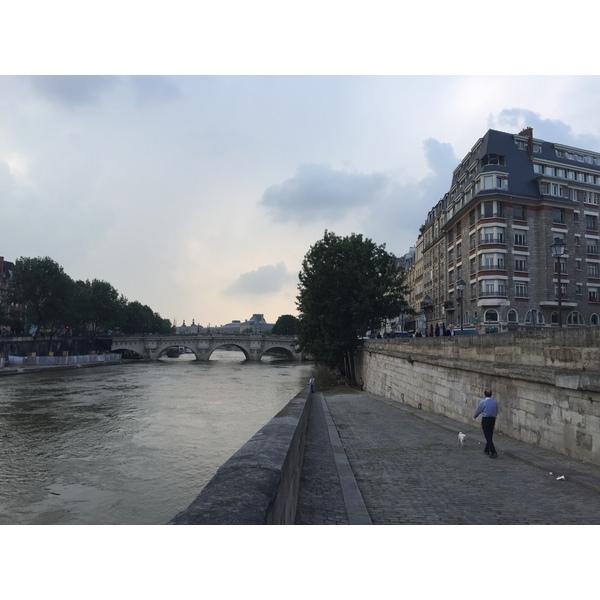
(259, 484)
(547, 382)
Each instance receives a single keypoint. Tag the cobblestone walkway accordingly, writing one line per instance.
(411, 470)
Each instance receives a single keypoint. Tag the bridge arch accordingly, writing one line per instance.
(278, 348)
(227, 345)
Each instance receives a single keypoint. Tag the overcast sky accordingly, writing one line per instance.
(200, 195)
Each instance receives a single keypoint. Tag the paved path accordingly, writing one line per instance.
(370, 460)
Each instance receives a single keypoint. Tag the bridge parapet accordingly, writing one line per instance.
(254, 347)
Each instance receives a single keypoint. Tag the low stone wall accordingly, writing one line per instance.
(547, 382)
(259, 484)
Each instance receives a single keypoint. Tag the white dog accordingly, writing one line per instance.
(462, 438)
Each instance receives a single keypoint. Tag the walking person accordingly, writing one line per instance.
(488, 409)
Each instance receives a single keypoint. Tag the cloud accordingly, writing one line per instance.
(385, 210)
(264, 280)
(72, 91)
(317, 191)
(149, 89)
(552, 130)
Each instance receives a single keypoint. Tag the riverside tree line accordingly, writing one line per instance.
(41, 297)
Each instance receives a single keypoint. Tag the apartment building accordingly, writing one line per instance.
(486, 246)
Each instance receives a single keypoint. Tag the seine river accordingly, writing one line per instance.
(133, 443)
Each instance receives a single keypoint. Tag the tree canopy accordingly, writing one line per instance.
(348, 285)
(42, 295)
(285, 325)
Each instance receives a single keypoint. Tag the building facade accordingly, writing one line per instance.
(512, 198)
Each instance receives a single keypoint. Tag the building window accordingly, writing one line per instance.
(558, 215)
(593, 294)
(534, 317)
(491, 316)
(519, 212)
(512, 316)
(493, 289)
(578, 264)
(591, 247)
(520, 239)
(595, 320)
(493, 159)
(492, 261)
(591, 223)
(521, 290)
(491, 235)
(592, 269)
(575, 318)
(520, 264)
(537, 148)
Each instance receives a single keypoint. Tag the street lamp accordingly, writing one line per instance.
(558, 249)
(462, 286)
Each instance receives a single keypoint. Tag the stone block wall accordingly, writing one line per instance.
(546, 381)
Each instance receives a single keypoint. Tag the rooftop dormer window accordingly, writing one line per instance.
(493, 159)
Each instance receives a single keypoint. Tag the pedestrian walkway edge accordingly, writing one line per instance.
(355, 505)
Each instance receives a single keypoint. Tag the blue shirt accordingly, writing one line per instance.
(487, 408)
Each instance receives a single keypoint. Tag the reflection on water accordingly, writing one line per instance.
(130, 444)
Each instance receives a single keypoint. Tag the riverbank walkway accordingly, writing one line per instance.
(369, 460)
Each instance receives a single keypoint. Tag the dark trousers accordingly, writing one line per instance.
(487, 424)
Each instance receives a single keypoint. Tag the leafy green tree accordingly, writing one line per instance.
(285, 325)
(45, 291)
(106, 305)
(348, 285)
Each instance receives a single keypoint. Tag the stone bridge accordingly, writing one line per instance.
(151, 347)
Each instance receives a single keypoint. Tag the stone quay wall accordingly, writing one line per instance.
(546, 382)
(259, 484)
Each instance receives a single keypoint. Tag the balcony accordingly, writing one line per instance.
(491, 239)
(492, 294)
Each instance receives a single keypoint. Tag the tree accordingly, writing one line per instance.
(348, 285)
(44, 290)
(285, 325)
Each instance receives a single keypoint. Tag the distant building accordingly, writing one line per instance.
(255, 324)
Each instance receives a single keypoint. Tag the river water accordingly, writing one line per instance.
(132, 443)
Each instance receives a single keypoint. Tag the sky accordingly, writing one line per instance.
(200, 195)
